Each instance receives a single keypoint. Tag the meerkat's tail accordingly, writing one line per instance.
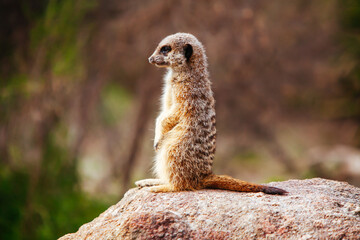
(233, 184)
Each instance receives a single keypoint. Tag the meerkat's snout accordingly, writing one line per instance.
(158, 60)
(151, 60)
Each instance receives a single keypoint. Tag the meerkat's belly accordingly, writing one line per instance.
(183, 156)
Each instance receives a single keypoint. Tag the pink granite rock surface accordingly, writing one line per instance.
(313, 209)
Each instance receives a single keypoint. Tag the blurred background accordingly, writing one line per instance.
(78, 98)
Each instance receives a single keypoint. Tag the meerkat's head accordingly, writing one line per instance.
(179, 51)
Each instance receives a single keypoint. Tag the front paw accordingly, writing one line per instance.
(156, 146)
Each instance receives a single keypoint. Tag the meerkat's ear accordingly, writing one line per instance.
(188, 51)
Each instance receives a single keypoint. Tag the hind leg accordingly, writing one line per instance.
(149, 182)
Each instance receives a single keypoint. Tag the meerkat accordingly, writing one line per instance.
(185, 131)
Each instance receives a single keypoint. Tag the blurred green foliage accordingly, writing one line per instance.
(249, 158)
(56, 33)
(116, 102)
(13, 191)
(55, 207)
(43, 200)
(349, 12)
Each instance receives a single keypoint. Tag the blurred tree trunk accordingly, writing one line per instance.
(45, 127)
(90, 91)
(147, 91)
(275, 147)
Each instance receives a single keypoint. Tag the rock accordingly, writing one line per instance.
(313, 209)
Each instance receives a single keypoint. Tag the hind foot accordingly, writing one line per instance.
(161, 188)
(149, 182)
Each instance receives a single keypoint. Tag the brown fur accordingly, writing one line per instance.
(185, 132)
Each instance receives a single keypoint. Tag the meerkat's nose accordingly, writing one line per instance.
(151, 60)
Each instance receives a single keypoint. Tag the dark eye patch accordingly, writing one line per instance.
(165, 49)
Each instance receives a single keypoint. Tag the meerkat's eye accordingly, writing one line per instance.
(165, 49)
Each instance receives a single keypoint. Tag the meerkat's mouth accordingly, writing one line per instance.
(161, 64)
